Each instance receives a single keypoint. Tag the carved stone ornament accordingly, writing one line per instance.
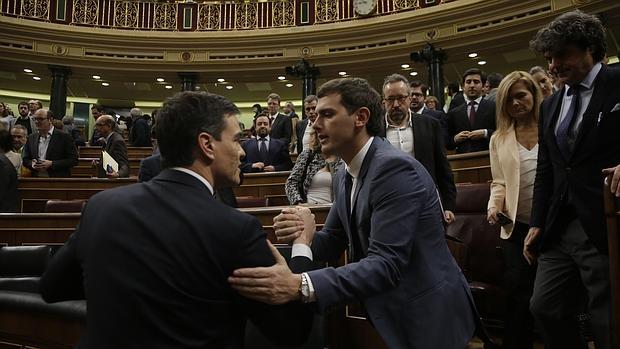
(432, 34)
(59, 50)
(306, 51)
(186, 56)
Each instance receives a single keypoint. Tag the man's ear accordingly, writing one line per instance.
(205, 144)
(362, 116)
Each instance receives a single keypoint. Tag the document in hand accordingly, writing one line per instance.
(109, 162)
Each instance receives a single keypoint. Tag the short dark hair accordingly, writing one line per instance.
(354, 94)
(475, 71)
(97, 107)
(6, 141)
(311, 98)
(494, 79)
(453, 87)
(421, 85)
(184, 116)
(263, 114)
(22, 103)
(572, 28)
(274, 96)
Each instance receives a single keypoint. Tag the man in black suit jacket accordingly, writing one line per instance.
(577, 146)
(471, 124)
(115, 146)
(9, 199)
(273, 157)
(49, 152)
(150, 167)
(418, 96)
(140, 133)
(281, 125)
(427, 146)
(153, 258)
(303, 127)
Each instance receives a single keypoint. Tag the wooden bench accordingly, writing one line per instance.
(132, 152)
(34, 192)
(84, 168)
(55, 228)
(471, 167)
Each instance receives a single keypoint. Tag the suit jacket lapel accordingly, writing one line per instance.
(363, 172)
(549, 123)
(417, 130)
(590, 116)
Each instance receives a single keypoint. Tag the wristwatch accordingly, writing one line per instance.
(304, 289)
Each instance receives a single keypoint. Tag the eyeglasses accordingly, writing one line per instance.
(391, 99)
(39, 119)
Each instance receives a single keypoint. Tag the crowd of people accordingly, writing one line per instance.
(381, 159)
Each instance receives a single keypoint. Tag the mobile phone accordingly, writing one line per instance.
(38, 161)
(502, 219)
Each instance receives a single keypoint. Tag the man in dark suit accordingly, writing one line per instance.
(49, 152)
(418, 96)
(9, 199)
(578, 144)
(140, 133)
(471, 125)
(386, 212)
(115, 146)
(152, 258)
(304, 126)
(265, 153)
(150, 167)
(281, 125)
(418, 135)
(456, 96)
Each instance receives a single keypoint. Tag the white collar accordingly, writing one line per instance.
(477, 100)
(196, 175)
(588, 81)
(387, 123)
(49, 132)
(356, 163)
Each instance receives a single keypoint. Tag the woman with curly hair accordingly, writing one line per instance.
(312, 176)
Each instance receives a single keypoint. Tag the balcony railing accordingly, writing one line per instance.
(203, 16)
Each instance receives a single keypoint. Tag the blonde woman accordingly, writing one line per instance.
(312, 176)
(514, 152)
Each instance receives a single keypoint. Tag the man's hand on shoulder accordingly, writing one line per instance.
(272, 285)
(615, 179)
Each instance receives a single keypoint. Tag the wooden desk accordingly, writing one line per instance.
(265, 177)
(132, 152)
(55, 228)
(34, 192)
(471, 167)
(84, 168)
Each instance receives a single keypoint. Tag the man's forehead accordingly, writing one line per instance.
(329, 101)
(473, 77)
(395, 86)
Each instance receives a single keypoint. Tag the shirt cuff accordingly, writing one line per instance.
(301, 250)
(486, 133)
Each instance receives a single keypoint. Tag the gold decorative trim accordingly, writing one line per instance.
(186, 57)
(306, 52)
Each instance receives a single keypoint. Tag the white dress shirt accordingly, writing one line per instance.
(585, 95)
(44, 142)
(401, 137)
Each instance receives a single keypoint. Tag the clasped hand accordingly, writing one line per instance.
(277, 284)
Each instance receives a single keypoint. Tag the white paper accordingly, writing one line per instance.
(108, 161)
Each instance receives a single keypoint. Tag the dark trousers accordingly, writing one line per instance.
(518, 283)
(565, 269)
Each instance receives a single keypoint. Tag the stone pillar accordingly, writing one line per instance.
(58, 92)
(434, 59)
(188, 81)
(308, 73)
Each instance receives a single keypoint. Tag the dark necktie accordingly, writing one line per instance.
(262, 150)
(355, 248)
(564, 136)
(472, 113)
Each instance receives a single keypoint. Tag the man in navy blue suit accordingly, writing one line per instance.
(386, 214)
(265, 154)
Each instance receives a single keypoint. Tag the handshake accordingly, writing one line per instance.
(295, 225)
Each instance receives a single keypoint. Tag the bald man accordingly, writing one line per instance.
(115, 146)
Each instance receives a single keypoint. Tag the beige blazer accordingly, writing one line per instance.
(505, 166)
